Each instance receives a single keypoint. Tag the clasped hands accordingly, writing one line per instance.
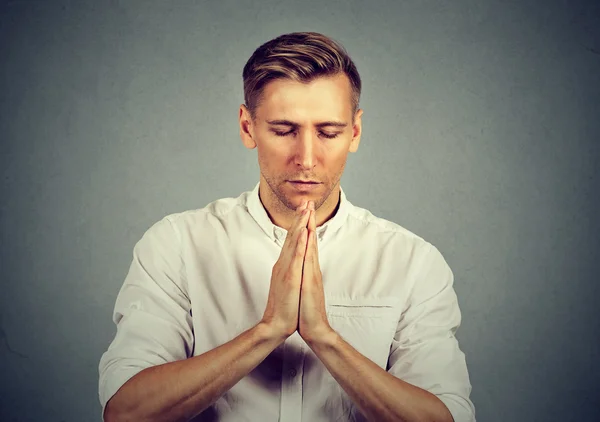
(296, 297)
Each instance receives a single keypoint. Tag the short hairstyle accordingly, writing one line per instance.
(302, 57)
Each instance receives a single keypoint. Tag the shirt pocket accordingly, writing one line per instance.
(367, 324)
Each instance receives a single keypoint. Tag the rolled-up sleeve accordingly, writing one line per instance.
(151, 313)
(425, 352)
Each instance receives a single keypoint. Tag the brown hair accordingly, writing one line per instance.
(300, 56)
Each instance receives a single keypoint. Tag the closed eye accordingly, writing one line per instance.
(278, 133)
(330, 135)
(325, 135)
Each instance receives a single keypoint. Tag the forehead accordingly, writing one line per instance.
(323, 98)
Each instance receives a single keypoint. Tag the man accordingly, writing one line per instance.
(288, 303)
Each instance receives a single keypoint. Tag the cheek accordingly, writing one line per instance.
(337, 160)
(273, 159)
(281, 150)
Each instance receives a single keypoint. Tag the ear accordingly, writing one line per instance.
(246, 128)
(356, 131)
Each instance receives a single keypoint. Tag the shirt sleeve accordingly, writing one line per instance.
(424, 351)
(151, 313)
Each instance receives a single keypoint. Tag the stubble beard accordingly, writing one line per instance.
(285, 205)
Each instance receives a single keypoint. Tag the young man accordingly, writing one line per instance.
(288, 303)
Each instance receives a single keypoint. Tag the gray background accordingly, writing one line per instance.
(481, 134)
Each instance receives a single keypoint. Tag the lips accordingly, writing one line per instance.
(304, 186)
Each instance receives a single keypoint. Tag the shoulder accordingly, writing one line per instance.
(210, 215)
(370, 224)
(407, 247)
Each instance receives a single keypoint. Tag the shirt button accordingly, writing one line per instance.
(292, 373)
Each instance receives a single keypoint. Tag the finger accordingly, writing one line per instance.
(297, 222)
(302, 225)
(301, 220)
(312, 241)
(293, 235)
(302, 206)
(299, 252)
(308, 255)
(307, 271)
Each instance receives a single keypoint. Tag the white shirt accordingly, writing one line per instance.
(201, 277)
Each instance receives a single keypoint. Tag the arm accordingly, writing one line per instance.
(425, 351)
(178, 391)
(147, 374)
(427, 377)
(378, 395)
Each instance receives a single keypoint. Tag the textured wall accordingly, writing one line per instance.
(481, 134)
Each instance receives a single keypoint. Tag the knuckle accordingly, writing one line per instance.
(288, 277)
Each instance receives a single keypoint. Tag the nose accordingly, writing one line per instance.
(305, 150)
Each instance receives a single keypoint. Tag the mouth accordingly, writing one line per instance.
(304, 185)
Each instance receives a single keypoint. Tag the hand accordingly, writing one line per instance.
(281, 313)
(312, 323)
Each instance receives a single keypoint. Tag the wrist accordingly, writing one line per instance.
(269, 332)
(325, 337)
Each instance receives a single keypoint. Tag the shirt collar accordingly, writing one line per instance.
(258, 212)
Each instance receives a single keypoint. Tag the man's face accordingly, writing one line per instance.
(304, 132)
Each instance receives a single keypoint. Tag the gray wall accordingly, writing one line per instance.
(481, 134)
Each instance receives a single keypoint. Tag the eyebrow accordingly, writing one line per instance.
(319, 125)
